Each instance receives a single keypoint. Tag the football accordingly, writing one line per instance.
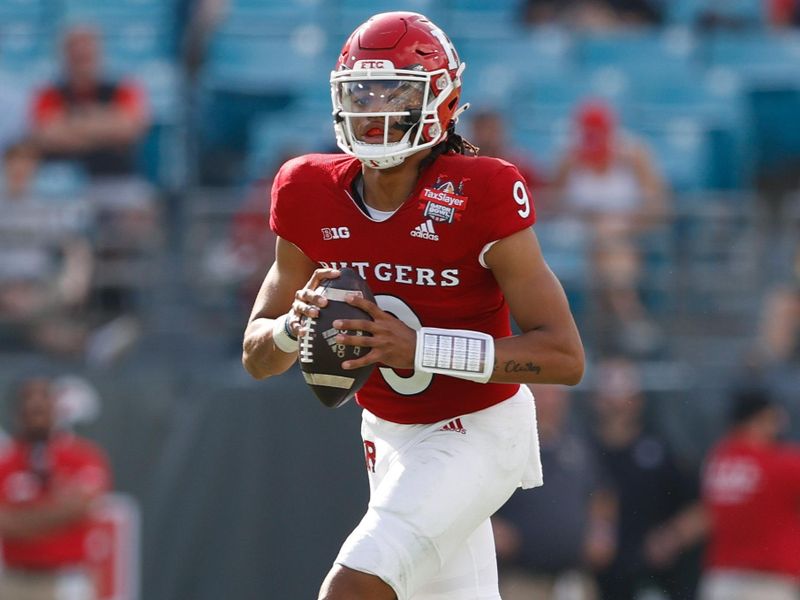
(321, 357)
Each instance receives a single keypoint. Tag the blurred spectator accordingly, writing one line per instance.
(541, 12)
(778, 337)
(198, 19)
(99, 123)
(45, 261)
(86, 117)
(242, 257)
(245, 254)
(593, 15)
(751, 488)
(609, 176)
(638, 12)
(608, 179)
(489, 134)
(659, 517)
(774, 356)
(49, 480)
(549, 540)
(782, 13)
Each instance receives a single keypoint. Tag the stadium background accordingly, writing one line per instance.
(247, 488)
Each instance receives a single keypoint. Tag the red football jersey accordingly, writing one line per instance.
(70, 461)
(752, 493)
(423, 263)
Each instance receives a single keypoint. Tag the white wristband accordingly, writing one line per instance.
(281, 338)
(455, 352)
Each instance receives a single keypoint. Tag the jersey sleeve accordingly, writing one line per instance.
(285, 189)
(508, 204)
(6, 469)
(131, 99)
(47, 106)
(790, 470)
(94, 473)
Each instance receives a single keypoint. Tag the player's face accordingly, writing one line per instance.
(381, 96)
(37, 410)
(82, 54)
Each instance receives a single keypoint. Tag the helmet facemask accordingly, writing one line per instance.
(383, 115)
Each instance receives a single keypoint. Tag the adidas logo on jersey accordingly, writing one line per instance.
(454, 425)
(425, 231)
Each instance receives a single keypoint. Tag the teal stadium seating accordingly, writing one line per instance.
(110, 14)
(681, 150)
(742, 12)
(495, 69)
(26, 52)
(478, 19)
(768, 65)
(760, 57)
(351, 13)
(276, 136)
(641, 54)
(278, 18)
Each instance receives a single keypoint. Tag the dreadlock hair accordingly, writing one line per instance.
(452, 143)
(456, 143)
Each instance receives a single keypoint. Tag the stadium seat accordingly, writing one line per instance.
(716, 100)
(480, 19)
(775, 141)
(268, 5)
(162, 153)
(247, 75)
(264, 64)
(565, 244)
(739, 12)
(351, 13)
(680, 148)
(30, 12)
(554, 97)
(272, 18)
(715, 95)
(118, 12)
(60, 181)
(127, 49)
(760, 58)
(545, 139)
(647, 54)
(26, 51)
(162, 81)
(494, 69)
(768, 66)
(274, 135)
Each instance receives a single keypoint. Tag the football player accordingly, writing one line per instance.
(444, 239)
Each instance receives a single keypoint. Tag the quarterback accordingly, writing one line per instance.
(444, 238)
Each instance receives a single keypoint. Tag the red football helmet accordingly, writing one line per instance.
(395, 89)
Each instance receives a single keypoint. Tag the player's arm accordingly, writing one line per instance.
(29, 522)
(287, 288)
(70, 501)
(549, 349)
(654, 192)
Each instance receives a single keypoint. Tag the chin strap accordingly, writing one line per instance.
(382, 163)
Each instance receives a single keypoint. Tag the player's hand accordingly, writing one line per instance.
(308, 301)
(73, 501)
(392, 343)
(662, 546)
